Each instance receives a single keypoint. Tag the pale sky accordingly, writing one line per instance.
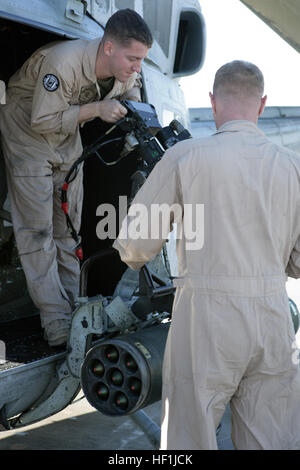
(234, 32)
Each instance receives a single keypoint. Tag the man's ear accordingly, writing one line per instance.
(213, 102)
(108, 48)
(262, 105)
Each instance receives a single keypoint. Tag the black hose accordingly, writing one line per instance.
(86, 266)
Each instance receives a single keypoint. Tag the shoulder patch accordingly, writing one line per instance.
(50, 82)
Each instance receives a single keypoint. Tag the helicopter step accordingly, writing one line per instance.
(28, 372)
(23, 343)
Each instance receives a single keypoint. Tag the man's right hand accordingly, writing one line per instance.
(107, 110)
(111, 110)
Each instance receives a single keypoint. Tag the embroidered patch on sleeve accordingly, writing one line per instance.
(50, 82)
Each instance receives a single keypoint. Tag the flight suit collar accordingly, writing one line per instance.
(89, 59)
(239, 126)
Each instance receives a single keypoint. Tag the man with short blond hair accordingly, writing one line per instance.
(231, 338)
(239, 78)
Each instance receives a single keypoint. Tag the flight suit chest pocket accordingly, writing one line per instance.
(88, 94)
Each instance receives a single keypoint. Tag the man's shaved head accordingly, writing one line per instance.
(239, 79)
(238, 93)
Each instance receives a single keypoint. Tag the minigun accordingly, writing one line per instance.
(142, 133)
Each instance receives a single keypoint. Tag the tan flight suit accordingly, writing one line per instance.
(40, 139)
(231, 336)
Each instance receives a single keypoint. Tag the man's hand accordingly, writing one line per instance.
(107, 110)
(111, 110)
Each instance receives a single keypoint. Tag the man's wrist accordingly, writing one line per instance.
(88, 111)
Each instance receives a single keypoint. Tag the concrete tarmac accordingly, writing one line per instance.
(81, 427)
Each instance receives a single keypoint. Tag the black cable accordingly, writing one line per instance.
(87, 153)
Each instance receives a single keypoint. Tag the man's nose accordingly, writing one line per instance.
(137, 67)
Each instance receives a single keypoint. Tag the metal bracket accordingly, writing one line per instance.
(75, 10)
(147, 279)
(89, 318)
(64, 393)
(120, 314)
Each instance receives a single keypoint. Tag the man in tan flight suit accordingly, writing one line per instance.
(59, 87)
(231, 337)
